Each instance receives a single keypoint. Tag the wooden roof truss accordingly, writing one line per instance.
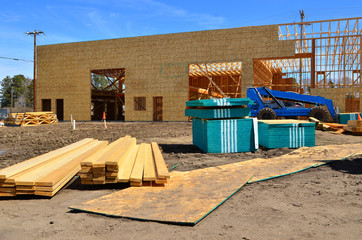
(115, 78)
(336, 51)
(212, 70)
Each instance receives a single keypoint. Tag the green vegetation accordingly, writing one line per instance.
(22, 89)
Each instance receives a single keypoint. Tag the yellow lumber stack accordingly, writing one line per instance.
(126, 161)
(31, 119)
(46, 174)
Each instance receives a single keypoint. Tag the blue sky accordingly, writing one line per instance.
(84, 20)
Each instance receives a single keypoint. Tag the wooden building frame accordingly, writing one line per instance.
(327, 54)
(113, 93)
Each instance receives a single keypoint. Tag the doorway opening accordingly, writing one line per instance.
(107, 94)
(60, 109)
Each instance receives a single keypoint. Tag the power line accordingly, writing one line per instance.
(17, 59)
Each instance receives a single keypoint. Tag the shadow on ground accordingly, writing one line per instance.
(76, 185)
(180, 148)
(351, 166)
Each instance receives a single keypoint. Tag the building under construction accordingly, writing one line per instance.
(150, 78)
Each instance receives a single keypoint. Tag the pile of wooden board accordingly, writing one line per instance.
(46, 174)
(354, 126)
(31, 119)
(223, 125)
(125, 161)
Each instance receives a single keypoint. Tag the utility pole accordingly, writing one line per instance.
(11, 100)
(301, 12)
(34, 34)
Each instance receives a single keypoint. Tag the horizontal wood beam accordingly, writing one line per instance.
(297, 55)
(320, 21)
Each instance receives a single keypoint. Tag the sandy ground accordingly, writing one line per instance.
(320, 203)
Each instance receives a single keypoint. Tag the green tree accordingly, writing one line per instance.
(15, 84)
(331, 84)
(99, 81)
(29, 94)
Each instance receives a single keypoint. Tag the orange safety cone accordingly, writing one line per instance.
(104, 119)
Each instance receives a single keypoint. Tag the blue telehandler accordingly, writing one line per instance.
(270, 104)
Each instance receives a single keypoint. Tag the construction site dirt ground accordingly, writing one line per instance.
(319, 203)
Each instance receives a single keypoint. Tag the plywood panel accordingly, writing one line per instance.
(191, 196)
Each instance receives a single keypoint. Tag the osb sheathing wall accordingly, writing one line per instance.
(155, 66)
(338, 95)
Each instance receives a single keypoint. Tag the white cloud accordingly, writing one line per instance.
(202, 19)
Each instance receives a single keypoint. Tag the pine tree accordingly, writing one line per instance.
(16, 85)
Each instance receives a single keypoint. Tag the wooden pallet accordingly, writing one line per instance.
(46, 174)
(31, 119)
(125, 161)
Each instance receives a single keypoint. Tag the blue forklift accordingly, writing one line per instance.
(273, 104)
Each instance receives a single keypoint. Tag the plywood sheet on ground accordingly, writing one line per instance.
(190, 196)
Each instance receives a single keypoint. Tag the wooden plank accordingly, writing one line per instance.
(114, 148)
(86, 182)
(160, 181)
(112, 168)
(99, 181)
(115, 158)
(136, 184)
(112, 180)
(30, 177)
(152, 184)
(33, 162)
(22, 192)
(99, 178)
(99, 171)
(24, 188)
(149, 173)
(86, 170)
(88, 162)
(86, 176)
(58, 174)
(58, 185)
(112, 174)
(137, 171)
(7, 184)
(161, 168)
(7, 194)
(127, 163)
(7, 189)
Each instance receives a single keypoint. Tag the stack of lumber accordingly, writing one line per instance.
(286, 133)
(46, 174)
(345, 117)
(319, 125)
(31, 119)
(125, 161)
(354, 126)
(223, 125)
(337, 128)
